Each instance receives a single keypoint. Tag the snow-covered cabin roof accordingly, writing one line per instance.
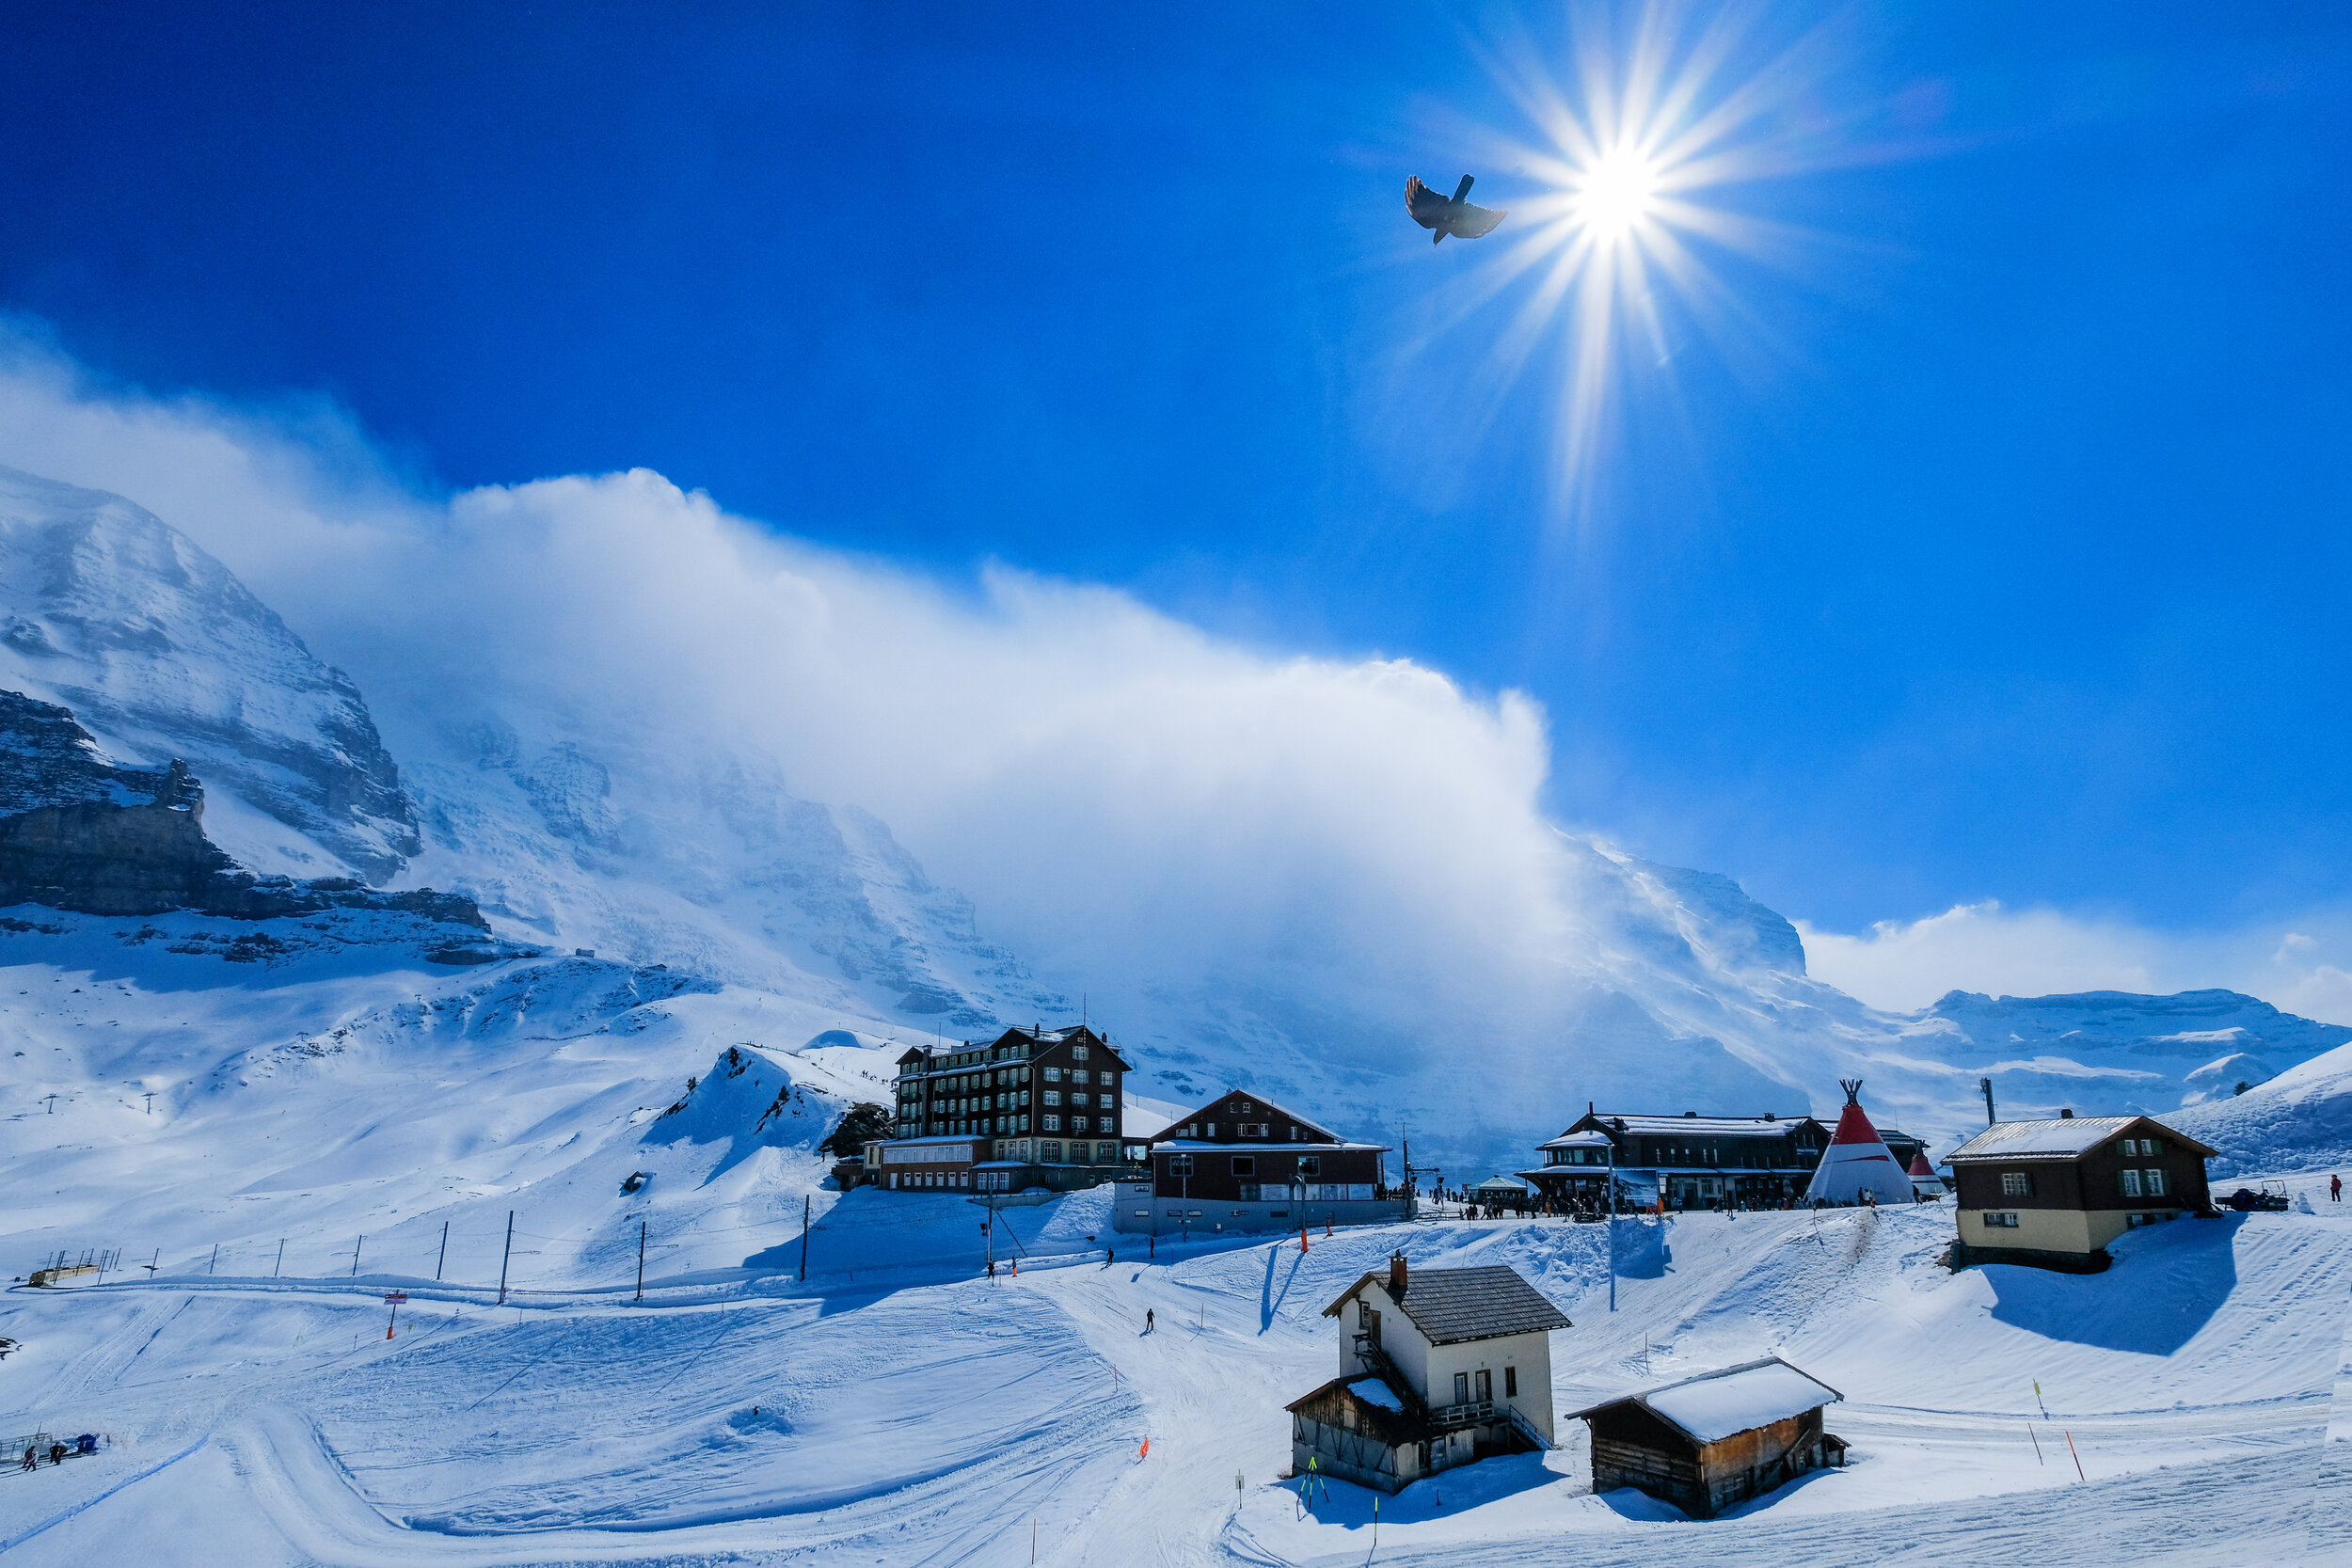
(1381, 1409)
(1501, 1184)
(1453, 1306)
(1578, 1140)
(2059, 1138)
(1705, 1127)
(1722, 1403)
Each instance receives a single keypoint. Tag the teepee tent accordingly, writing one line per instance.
(1924, 1181)
(1857, 1160)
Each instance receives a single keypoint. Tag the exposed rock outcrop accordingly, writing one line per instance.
(80, 832)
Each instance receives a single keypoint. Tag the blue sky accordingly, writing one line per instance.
(2009, 561)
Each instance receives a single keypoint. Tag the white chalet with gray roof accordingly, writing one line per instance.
(1436, 1368)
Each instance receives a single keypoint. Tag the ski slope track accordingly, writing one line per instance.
(757, 1419)
(679, 979)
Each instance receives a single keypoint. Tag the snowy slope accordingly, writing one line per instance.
(953, 1418)
(162, 652)
(2300, 1120)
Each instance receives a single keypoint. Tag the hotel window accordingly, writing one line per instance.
(2153, 1180)
(1052, 1124)
(1180, 1164)
(1485, 1385)
(1052, 1096)
(1998, 1221)
(1461, 1387)
(1509, 1382)
(1310, 1165)
(1077, 1075)
(1245, 1165)
(1076, 1098)
(2131, 1183)
(2016, 1184)
(1050, 1152)
(1077, 1052)
(1053, 1075)
(1106, 1154)
(1247, 1191)
(1107, 1124)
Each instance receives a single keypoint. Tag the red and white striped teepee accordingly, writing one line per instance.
(1924, 1181)
(1857, 1160)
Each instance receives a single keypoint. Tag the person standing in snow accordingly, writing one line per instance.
(1148, 1322)
(2335, 1189)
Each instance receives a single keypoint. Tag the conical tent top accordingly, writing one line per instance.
(1854, 1124)
(1920, 1165)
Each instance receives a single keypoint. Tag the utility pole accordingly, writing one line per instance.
(150, 1103)
(806, 1200)
(444, 1256)
(281, 1258)
(1986, 1085)
(640, 1260)
(355, 1256)
(1612, 1223)
(215, 1263)
(510, 1253)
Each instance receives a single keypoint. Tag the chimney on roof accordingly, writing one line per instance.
(1396, 1273)
(2066, 1113)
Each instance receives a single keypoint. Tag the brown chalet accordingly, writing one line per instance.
(1711, 1442)
(2055, 1193)
(1243, 1162)
(1030, 1108)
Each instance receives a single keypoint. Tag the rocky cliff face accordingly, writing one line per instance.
(162, 652)
(80, 832)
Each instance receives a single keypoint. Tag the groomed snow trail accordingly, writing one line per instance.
(754, 1421)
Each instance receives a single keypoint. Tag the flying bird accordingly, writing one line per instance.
(1456, 216)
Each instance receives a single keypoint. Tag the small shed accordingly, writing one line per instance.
(1365, 1430)
(1715, 1440)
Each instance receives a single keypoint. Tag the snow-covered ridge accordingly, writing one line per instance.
(107, 610)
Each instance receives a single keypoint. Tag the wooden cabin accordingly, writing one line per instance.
(2054, 1192)
(1436, 1368)
(1711, 1442)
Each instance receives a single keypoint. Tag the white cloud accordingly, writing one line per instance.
(1120, 789)
(1985, 948)
(1108, 779)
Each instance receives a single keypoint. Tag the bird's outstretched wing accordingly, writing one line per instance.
(1470, 222)
(1428, 208)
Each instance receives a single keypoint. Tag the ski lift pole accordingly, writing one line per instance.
(640, 1260)
(507, 1257)
(806, 1200)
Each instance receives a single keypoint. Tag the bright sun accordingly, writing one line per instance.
(1614, 192)
(1615, 241)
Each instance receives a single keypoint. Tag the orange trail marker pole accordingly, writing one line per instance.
(2078, 1458)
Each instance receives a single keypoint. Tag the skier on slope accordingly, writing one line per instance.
(1147, 1319)
(2335, 1188)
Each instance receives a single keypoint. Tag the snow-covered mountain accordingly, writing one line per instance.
(163, 654)
(653, 838)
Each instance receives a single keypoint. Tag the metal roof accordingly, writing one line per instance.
(2057, 1138)
(1451, 1306)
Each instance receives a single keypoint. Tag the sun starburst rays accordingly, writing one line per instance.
(1618, 250)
